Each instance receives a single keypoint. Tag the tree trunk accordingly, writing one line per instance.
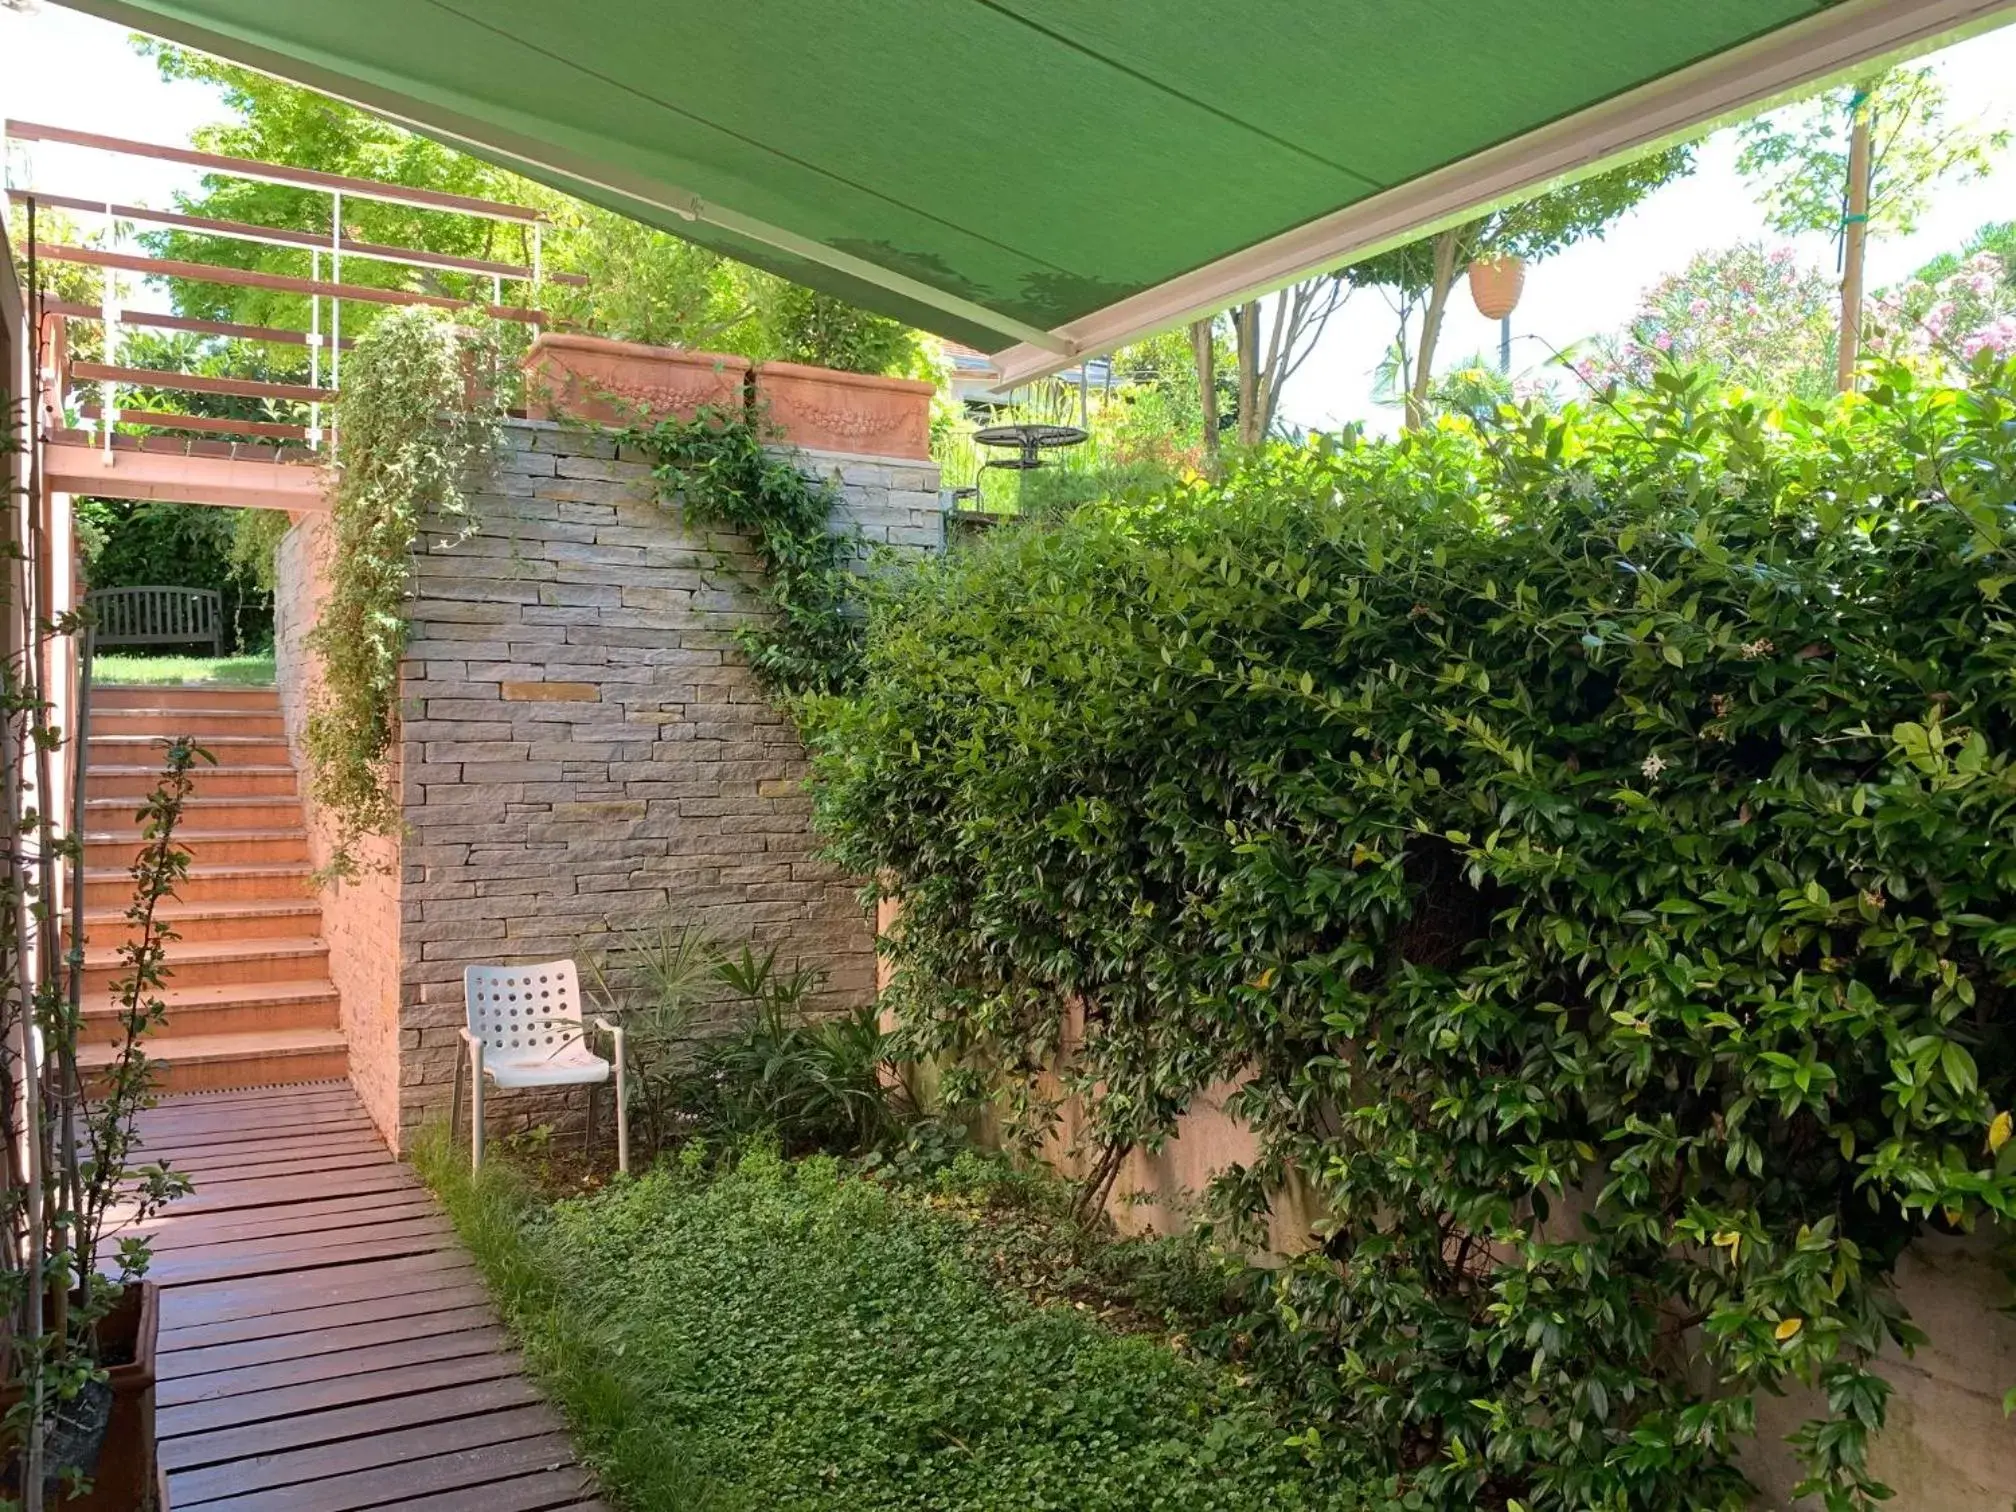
(1246, 321)
(1207, 388)
(1431, 325)
(1854, 241)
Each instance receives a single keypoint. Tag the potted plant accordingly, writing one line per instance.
(78, 1392)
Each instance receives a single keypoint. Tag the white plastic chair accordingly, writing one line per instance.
(525, 1030)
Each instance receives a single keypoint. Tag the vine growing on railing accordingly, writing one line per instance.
(716, 466)
(420, 408)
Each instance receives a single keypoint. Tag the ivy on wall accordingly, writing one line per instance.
(716, 467)
(1587, 842)
(420, 410)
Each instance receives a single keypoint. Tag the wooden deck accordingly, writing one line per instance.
(326, 1345)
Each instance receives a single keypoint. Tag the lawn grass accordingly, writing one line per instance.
(789, 1335)
(234, 671)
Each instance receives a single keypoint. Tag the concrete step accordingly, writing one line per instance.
(217, 963)
(125, 779)
(262, 919)
(249, 1058)
(228, 1008)
(229, 750)
(246, 882)
(258, 811)
(203, 723)
(183, 696)
(103, 851)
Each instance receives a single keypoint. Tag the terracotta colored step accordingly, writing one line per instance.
(258, 811)
(215, 847)
(192, 695)
(217, 963)
(200, 722)
(124, 779)
(229, 750)
(261, 1058)
(262, 919)
(229, 1009)
(207, 882)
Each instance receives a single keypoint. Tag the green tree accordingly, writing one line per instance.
(1804, 161)
(1420, 276)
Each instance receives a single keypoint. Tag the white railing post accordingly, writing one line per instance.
(315, 350)
(335, 301)
(108, 309)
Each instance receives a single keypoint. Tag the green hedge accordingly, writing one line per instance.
(1588, 841)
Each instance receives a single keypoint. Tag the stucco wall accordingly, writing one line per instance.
(360, 918)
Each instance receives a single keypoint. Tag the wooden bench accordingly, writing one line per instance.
(157, 617)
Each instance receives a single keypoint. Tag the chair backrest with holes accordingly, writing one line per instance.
(520, 1011)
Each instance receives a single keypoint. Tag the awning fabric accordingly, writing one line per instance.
(1046, 178)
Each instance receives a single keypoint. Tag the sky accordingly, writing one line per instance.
(67, 69)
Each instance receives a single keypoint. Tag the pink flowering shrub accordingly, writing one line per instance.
(1942, 323)
(1753, 317)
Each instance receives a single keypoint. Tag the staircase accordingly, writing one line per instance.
(249, 998)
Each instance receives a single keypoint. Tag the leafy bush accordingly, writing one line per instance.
(730, 1046)
(806, 326)
(791, 1336)
(413, 422)
(1588, 844)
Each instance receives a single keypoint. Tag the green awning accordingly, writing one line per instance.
(1048, 178)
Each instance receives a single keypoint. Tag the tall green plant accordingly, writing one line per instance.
(716, 467)
(1587, 847)
(420, 410)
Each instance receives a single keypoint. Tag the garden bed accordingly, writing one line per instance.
(797, 1334)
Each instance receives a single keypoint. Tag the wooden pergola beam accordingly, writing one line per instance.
(162, 267)
(196, 383)
(231, 482)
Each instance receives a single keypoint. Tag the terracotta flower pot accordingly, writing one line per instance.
(824, 410)
(617, 382)
(122, 1470)
(1495, 285)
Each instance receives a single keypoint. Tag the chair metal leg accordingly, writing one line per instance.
(476, 1115)
(588, 1134)
(622, 1111)
(455, 1105)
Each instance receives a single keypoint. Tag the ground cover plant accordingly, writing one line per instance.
(1586, 839)
(750, 1332)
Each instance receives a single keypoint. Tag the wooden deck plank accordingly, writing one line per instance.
(332, 1215)
(246, 1260)
(544, 1491)
(315, 1396)
(241, 1459)
(281, 1190)
(398, 1485)
(301, 1346)
(326, 1344)
(358, 1360)
(246, 1152)
(450, 1289)
(221, 1301)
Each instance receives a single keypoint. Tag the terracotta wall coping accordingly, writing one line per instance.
(574, 341)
